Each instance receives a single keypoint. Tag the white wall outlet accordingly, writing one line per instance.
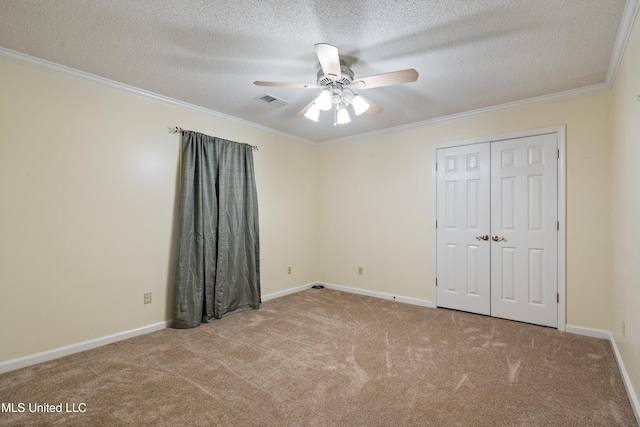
(289, 270)
(147, 297)
(623, 328)
(360, 271)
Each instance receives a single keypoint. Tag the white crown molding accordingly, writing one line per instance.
(624, 31)
(626, 25)
(91, 78)
(572, 93)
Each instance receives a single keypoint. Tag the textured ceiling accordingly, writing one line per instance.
(470, 54)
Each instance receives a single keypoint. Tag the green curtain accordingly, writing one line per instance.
(218, 269)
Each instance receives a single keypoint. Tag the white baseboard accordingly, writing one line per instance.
(633, 397)
(599, 333)
(45, 356)
(22, 362)
(290, 291)
(588, 332)
(381, 295)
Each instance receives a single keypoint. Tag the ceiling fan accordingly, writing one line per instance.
(338, 84)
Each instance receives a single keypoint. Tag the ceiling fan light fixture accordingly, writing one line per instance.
(323, 101)
(359, 105)
(313, 113)
(343, 116)
(337, 82)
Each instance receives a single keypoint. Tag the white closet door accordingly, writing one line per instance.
(524, 259)
(463, 245)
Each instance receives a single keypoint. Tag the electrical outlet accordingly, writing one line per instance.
(623, 328)
(147, 297)
(289, 270)
(360, 271)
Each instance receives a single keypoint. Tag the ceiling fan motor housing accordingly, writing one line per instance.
(345, 79)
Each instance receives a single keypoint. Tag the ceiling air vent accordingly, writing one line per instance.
(274, 101)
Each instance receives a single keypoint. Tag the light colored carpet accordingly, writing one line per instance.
(328, 358)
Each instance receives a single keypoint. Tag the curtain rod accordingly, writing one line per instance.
(178, 129)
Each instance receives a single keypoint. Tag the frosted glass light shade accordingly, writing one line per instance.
(359, 105)
(323, 101)
(343, 117)
(313, 113)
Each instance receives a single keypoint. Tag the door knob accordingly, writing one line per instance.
(485, 237)
(498, 239)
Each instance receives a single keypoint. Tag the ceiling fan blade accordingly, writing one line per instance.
(386, 79)
(329, 60)
(283, 84)
(374, 108)
(306, 108)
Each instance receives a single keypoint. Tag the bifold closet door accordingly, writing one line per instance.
(462, 234)
(496, 235)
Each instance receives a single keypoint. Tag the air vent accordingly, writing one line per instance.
(274, 101)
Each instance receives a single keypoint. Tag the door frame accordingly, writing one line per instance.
(560, 132)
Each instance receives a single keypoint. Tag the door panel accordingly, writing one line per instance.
(523, 218)
(463, 195)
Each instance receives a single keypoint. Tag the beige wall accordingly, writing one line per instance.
(375, 202)
(88, 180)
(625, 207)
(87, 197)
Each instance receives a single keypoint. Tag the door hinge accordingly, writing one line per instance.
(436, 282)
(558, 225)
(436, 223)
(558, 298)
(558, 153)
(436, 165)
